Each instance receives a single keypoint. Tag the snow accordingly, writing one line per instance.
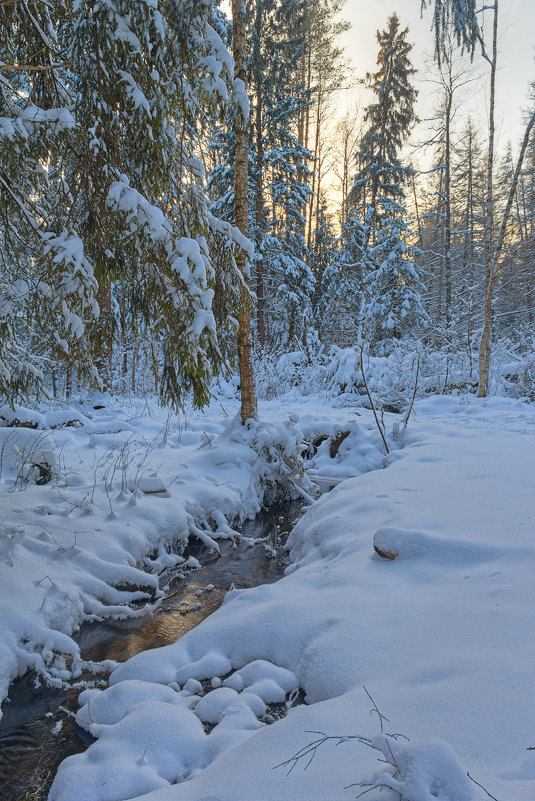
(428, 770)
(23, 450)
(92, 499)
(241, 98)
(440, 636)
(139, 211)
(55, 119)
(134, 93)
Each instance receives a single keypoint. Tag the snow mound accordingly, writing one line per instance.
(152, 484)
(397, 542)
(29, 453)
(130, 718)
(21, 416)
(426, 770)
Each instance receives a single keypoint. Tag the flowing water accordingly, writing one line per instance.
(38, 729)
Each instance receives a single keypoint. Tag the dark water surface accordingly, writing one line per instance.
(38, 729)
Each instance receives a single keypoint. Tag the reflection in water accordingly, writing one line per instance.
(38, 729)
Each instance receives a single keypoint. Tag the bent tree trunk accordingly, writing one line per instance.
(248, 408)
(485, 349)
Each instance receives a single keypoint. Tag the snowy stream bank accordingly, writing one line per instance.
(38, 728)
(129, 487)
(442, 637)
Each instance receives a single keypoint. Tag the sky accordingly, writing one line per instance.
(516, 62)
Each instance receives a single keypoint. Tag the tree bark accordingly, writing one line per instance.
(259, 148)
(314, 197)
(447, 209)
(484, 350)
(105, 333)
(486, 339)
(248, 409)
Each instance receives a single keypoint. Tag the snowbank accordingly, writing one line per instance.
(96, 502)
(441, 636)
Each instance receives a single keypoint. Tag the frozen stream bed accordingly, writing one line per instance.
(38, 729)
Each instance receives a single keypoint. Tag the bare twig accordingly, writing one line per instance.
(406, 420)
(309, 751)
(376, 710)
(483, 788)
(28, 68)
(382, 433)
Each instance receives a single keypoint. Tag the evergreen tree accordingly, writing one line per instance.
(324, 246)
(393, 303)
(343, 282)
(100, 136)
(288, 278)
(324, 70)
(47, 285)
(468, 189)
(393, 287)
(389, 120)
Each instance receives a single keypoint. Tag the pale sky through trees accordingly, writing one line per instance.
(516, 66)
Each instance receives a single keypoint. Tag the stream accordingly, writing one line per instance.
(38, 729)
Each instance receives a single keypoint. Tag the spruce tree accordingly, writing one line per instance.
(343, 282)
(393, 299)
(47, 284)
(393, 286)
(389, 120)
(101, 190)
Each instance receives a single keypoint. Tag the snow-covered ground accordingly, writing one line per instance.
(441, 637)
(128, 487)
(129, 484)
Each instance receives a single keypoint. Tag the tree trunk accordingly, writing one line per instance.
(486, 340)
(248, 409)
(484, 349)
(468, 248)
(447, 210)
(134, 355)
(259, 147)
(105, 327)
(313, 196)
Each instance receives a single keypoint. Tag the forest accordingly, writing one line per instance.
(123, 250)
(267, 375)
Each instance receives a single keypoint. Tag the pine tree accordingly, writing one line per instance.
(323, 70)
(389, 120)
(393, 304)
(279, 229)
(468, 188)
(109, 195)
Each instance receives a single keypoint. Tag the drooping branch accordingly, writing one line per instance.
(459, 14)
